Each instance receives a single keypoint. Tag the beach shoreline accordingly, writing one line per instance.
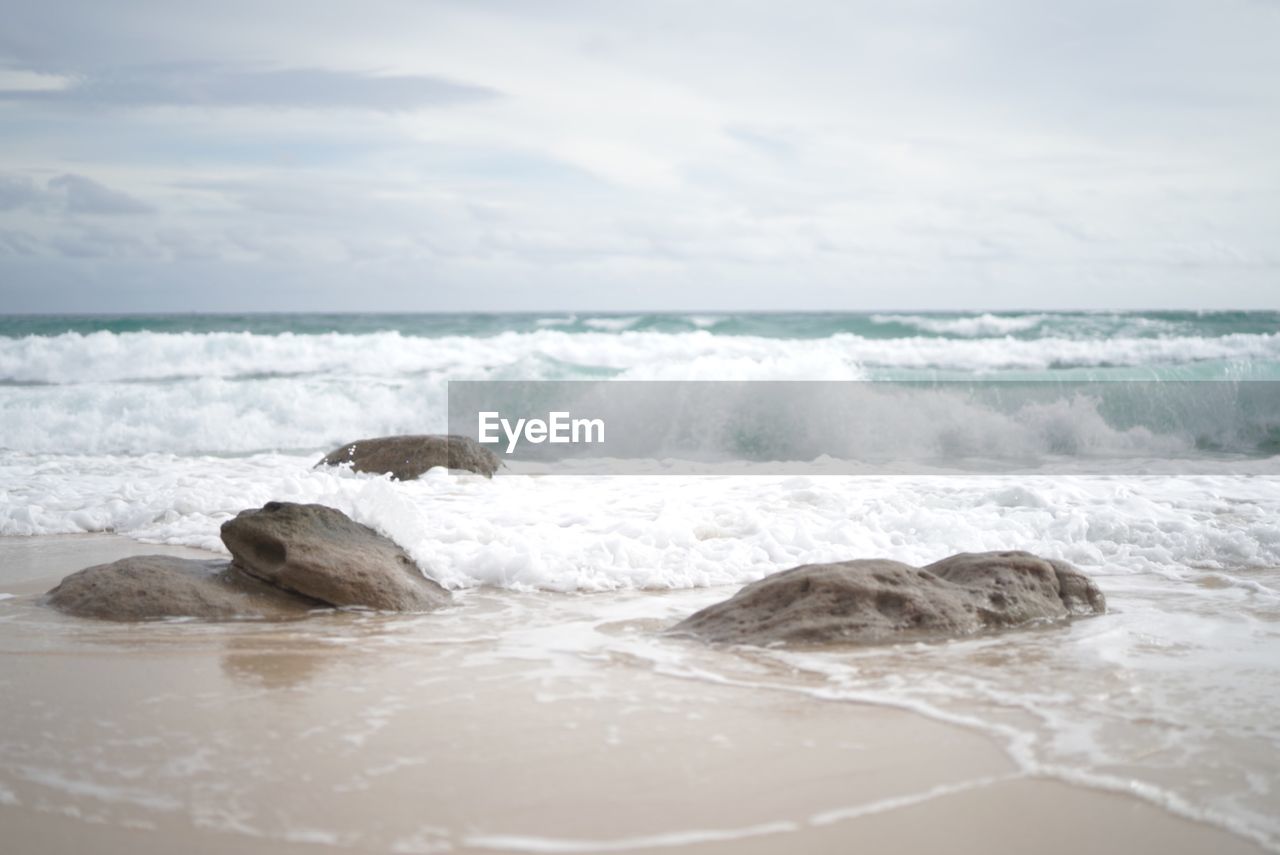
(498, 725)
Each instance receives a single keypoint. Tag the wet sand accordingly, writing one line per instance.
(510, 722)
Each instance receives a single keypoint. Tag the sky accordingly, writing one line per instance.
(509, 155)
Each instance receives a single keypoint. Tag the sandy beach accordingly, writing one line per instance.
(510, 722)
(565, 428)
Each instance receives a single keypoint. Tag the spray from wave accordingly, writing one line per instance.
(240, 392)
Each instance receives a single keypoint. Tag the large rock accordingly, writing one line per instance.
(407, 457)
(870, 601)
(144, 587)
(1020, 586)
(322, 553)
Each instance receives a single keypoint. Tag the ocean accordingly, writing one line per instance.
(159, 428)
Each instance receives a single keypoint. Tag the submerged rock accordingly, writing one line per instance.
(407, 457)
(870, 601)
(320, 552)
(145, 587)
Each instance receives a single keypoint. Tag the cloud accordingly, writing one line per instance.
(68, 193)
(83, 195)
(17, 191)
(501, 154)
(22, 80)
(195, 84)
(94, 243)
(15, 243)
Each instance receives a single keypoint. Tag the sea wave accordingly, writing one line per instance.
(973, 325)
(237, 393)
(585, 533)
(107, 357)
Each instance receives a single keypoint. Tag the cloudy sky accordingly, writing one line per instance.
(551, 154)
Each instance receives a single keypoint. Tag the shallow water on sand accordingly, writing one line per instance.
(300, 731)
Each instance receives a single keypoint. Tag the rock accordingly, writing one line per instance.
(322, 553)
(144, 587)
(1022, 586)
(870, 601)
(407, 457)
(287, 559)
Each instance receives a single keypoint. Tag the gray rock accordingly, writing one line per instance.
(874, 601)
(145, 587)
(322, 553)
(1020, 586)
(407, 457)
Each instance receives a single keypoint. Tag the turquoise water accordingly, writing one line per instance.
(877, 325)
(243, 384)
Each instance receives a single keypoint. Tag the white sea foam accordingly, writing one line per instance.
(611, 324)
(973, 325)
(75, 358)
(690, 837)
(237, 392)
(566, 533)
(564, 321)
(1085, 325)
(704, 322)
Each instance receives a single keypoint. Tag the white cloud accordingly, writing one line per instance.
(19, 80)
(839, 154)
